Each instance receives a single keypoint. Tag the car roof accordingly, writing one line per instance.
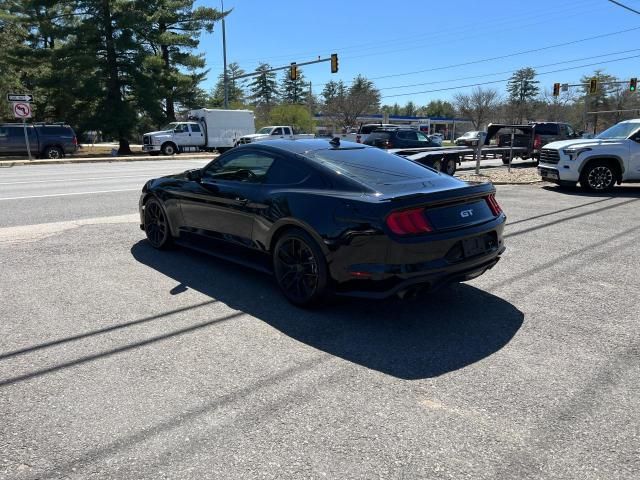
(305, 145)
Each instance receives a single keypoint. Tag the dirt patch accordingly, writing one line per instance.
(501, 175)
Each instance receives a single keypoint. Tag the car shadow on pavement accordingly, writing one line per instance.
(409, 339)
(620, 191)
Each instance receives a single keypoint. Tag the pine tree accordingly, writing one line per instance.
(523, 89)
(263, 89)
(294, 92)
(235, 88)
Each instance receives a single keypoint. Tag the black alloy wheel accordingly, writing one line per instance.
(53, 153)
(300, 268)
(598, 177)
(156, 225)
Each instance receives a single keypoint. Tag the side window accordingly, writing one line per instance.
(413, 136)
(16, 132)
(277, 131)
(570, 131)
(422, 137)
(4, 132)
(250, 167)
(287, 131)
(195, 128)
(180, 128)
(402, 135)
(284, 172)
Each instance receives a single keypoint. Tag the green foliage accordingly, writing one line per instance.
(344, 105)
(522, 89)
(263, 89)
(297, 116)
(235, 89)
(294, 91)
(438, 108)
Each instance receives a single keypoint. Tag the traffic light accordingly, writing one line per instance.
(593, 86)
(556, 89)
(293, 71)
(633, 83)
(334, 63)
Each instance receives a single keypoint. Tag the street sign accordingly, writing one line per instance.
(19, 97)
(21, 109)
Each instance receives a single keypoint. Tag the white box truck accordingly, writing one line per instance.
(206, 129)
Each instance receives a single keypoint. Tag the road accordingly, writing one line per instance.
(118, 361)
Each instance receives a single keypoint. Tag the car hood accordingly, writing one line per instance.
(582, 142)
(255, 135)
(160, 132)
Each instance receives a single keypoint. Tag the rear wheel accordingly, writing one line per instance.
(437, 165)
(156, 224)
(598, 176)
(52, 152)
(450, 166)
(300, 268)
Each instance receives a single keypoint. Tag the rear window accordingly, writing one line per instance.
(380, 135)
(546, 129)
(372, 166)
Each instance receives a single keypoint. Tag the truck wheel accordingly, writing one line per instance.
(437, 165)
(53, 152)
(168, 149)
(598, 176)
(450, 166)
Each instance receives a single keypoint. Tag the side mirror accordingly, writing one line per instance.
(194, 175)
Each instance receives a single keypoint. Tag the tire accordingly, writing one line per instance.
(169, 149)
(598, 176)
(437, 165)
(156, 224)
(53, 153)
(300, 268)
(450, 166)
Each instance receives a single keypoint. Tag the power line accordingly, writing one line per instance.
(508, 71)
(500, 57)
(503, 80)
(624, 6)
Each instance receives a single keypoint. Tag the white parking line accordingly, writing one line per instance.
(75, 193)
(83, 178)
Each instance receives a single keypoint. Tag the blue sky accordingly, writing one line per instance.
(386, 41)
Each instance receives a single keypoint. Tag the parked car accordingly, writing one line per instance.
(435, 138)
(599, 163)
(470, 139)
(45, 140)
(329, 217)
(399, 138)
(362, 133)
(532, 136)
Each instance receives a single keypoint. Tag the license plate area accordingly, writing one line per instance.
(550, 174)
(472, 247)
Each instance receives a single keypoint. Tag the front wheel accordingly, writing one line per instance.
(300, 268)
(168, 149)
(598, 177)
(156, 225)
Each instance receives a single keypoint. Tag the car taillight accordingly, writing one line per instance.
(408, 222)
(387, 144)
(75, 140)
(493, 205)
(537, 142)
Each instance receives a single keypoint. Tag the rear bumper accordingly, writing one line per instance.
(430, 281)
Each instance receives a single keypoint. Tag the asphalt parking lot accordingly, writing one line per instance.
(119, 361)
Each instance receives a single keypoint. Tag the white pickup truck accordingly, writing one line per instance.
(597, 163)
(273, 132)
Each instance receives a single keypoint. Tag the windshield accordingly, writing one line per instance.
(265, 130)
(621, 130)
(169, 126)
(470, 134)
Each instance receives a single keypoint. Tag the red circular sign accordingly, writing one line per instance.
(22, 110)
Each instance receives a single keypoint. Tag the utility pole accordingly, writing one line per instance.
(224, 55)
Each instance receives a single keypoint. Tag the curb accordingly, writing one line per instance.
(19, 163)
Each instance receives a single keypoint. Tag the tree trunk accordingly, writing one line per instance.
(114, 98)
(170, 107)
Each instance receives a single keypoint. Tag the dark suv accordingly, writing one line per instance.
(45, 140)
(399, 138)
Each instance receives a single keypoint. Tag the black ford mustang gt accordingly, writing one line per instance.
(329, 217)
